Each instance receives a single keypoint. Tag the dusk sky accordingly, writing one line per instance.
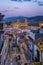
(21, 8)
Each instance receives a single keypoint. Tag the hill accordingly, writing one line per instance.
(32, 20)
(36, 18)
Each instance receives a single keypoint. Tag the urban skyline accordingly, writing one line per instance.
(21, 32)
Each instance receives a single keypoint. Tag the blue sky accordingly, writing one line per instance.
(21, 8)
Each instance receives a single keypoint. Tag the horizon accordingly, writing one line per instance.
(24, 16)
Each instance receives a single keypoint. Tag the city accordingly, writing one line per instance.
(21, 32)
(21, 44)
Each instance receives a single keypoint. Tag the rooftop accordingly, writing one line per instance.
(38, 35)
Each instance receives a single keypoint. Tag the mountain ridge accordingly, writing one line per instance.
(22, 18)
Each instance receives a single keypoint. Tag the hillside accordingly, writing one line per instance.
(32, 20)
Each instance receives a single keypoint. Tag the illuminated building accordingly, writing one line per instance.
(41, 24)
(20, 24)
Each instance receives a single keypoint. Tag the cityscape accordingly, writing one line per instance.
(21, 33)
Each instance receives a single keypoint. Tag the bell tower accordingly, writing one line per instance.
(26, 22)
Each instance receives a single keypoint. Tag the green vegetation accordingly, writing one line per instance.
(37, 63)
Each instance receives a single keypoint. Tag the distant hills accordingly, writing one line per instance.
(32, 20)
(36, 18)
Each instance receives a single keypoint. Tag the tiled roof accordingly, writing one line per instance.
(35, 31)
(38, 36)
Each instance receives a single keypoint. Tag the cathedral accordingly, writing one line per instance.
(19, 24)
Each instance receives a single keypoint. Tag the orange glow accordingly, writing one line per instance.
(15, 25)
(19, 24)
(41, 24)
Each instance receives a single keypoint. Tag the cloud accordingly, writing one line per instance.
(16, 7)
(16, 0)
(13, 0)
(4, 11)
(34, 0)
(26, 0)
(7, 10)
(40, 3)
(20, 0)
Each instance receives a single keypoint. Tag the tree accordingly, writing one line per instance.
(1, 16)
